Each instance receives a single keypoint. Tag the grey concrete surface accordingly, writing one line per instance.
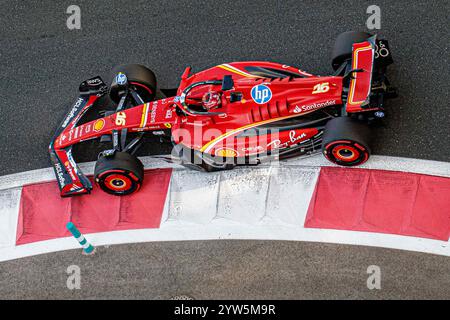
(228, 270)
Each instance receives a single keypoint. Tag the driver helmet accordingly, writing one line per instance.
(211, 100)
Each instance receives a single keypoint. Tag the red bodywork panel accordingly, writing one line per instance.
(239, 109)
(290, 97)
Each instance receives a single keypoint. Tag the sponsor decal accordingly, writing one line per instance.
(60, 174)
(169, 114)
(70, 170)
(76, 188)
(145, 128)
(153, 112)
(261, 94)
(253, 149)
(76, 132)
(293, 138)
(70, 166)
(121, 119)
(381, 50)
(94, 81)
(226, 153)
(70, 157)
(99, 125)
(168, 125)
(72, 112)
(276, 144)
(121, 78)
(379, 114)
(314, 106)
(62, 139)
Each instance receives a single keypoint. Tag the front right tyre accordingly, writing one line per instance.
(119, 174)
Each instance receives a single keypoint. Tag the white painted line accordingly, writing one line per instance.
(265, 202)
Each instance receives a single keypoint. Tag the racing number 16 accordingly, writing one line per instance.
(121, 119)
(321, 88)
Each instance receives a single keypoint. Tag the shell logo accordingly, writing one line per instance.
(99, 125)
(226, 153)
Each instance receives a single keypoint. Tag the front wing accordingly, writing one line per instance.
(70, 179)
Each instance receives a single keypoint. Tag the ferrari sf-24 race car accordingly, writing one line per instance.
(240, 113)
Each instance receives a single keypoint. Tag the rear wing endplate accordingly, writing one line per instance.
(360, 84)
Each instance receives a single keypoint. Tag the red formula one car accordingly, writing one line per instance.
(238, 113)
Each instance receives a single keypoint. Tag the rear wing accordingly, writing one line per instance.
(369, 59)
(70, 179)
(360, 84)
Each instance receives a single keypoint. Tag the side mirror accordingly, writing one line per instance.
(186, 73)
(227, 83)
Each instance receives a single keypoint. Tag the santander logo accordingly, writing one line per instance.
(313, 106)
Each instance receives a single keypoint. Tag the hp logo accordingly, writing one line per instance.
(261, 94)
(121, 78)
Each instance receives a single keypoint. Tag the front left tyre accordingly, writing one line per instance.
(119, 174)
(140, 77)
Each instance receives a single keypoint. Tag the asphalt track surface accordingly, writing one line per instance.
(42, 64)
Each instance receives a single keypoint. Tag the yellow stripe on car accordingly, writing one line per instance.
(237, 71)
(353, 81)
(144, 115)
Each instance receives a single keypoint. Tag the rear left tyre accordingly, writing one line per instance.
(346, 142)
(120, 174)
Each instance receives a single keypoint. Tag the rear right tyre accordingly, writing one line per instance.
(343, 46)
